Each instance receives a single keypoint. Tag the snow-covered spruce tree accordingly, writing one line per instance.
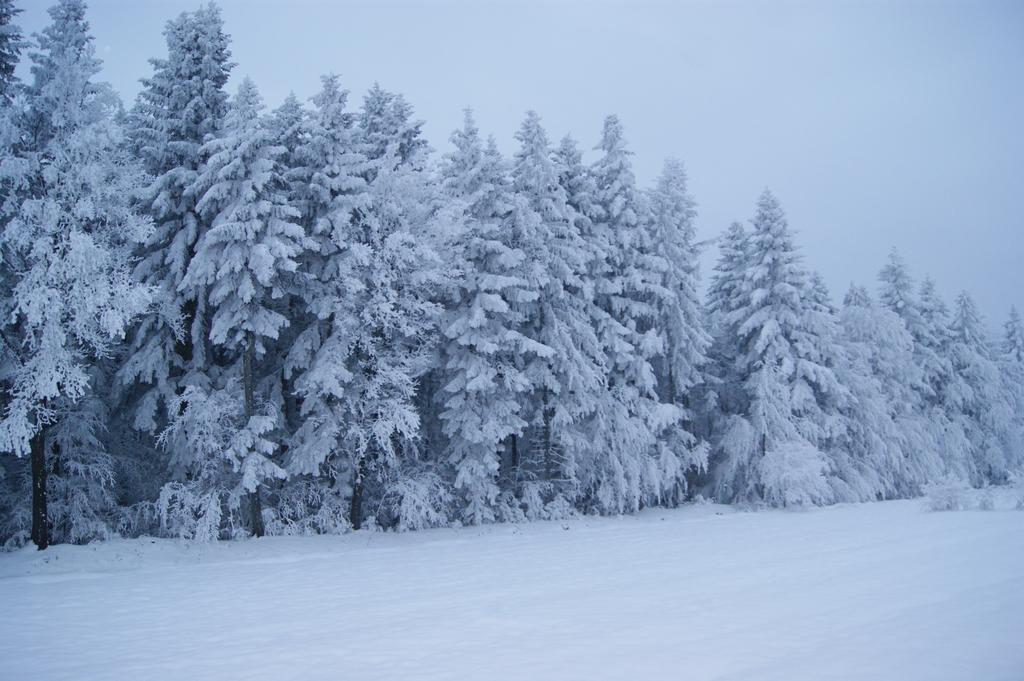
(1013, 337)
(725, 293)
(984, 408)
(569, 380)
(897, 294)
(580, 191)
(288, 126)
(70, 240)
(330, 186)
(386, 120)
(11, 44)
(375, 317)
(771, 448)
(180, 107)
(483, 349)
(926, 323)
(680, 369)
(888, 439)
(327, 183)
(1011, 362)
(628, 465)
(243, 263)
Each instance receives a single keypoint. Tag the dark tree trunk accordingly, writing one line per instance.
(40, 520)
(255, 502)
(355, 510)
(291, 402)
(514, 448)
(548, 416)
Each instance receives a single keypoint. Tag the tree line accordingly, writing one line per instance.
(220, 321)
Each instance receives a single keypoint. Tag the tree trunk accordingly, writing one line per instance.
(40, 520)
(255, 502)
(548, 416)
(355, 510)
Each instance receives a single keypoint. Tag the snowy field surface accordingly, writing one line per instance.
(873, 591)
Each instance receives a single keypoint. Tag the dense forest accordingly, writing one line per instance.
(220, 320)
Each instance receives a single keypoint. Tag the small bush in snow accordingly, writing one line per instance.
(950, 494)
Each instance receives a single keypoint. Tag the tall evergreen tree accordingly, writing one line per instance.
(385, 120)
(379, 270)
(681, 367)
(11, 44)
(983, 406)
(483, 347)
(71, 236)
(330, 189)
(925, 317)
(771, 449)
(1013, 336)
(245, 260)
(568, 382)
(180, 108)
(879, 371)
(627, 466)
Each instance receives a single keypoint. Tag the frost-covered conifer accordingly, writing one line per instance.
(1013, 337)
(984, 408)
(483, 348)
(180, 107)
(386, 120)
(375, 321)
(245, 260)
(680, 311)
(629, 464)
(11, 44)
(71, 237)
(771, 447)
(891, 444)
(568, 381)
(925, 318)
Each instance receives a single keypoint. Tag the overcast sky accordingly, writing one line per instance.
(877, 124)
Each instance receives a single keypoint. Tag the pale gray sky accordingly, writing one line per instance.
(877, 124)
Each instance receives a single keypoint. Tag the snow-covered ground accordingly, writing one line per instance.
(866, 592)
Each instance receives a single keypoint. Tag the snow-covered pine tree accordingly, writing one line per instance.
(897, 294)
(627, 468)
(11, 44)
(243, 263)
(888, 439)
(568, 381)
(1013, 337)
(180, 107)
(482, 347)
(386, 119)
(580, 191)
(374, 300)
(984, 408)
(925, 320)
(1012, 364)
(71, 238)
(329, 188)
(771, 447)
(948, 387)
(725, 293)
(288, 126)
(680, 316)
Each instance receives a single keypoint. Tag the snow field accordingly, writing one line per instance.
(872, 591)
